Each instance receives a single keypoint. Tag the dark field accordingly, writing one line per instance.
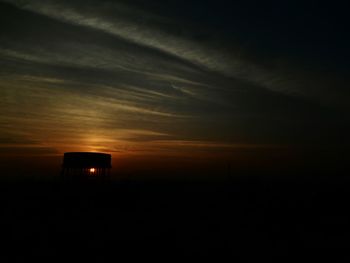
(245, 219)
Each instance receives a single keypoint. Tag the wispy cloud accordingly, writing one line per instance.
(144, 29)
(110, 76)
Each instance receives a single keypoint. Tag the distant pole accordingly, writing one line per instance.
(229, 175)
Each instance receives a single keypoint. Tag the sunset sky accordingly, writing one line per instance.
(173, 84)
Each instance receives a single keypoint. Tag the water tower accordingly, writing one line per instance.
(80, 165)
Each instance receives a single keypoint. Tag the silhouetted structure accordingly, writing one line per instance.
(86, 165)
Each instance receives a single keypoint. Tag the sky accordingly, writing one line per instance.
(174, 85)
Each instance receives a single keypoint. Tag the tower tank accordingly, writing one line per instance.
(86, 165)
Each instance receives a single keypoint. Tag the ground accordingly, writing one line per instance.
(245, 219)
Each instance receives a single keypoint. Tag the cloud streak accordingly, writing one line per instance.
(140, 28)
(113, 77)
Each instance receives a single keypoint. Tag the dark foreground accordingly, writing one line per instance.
(247, 219)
